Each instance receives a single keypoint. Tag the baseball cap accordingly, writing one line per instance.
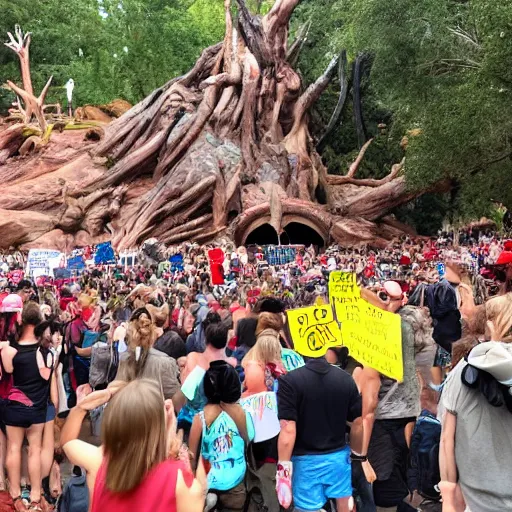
(12, 303)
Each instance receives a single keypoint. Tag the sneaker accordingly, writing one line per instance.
(25, 493)
(211, 501)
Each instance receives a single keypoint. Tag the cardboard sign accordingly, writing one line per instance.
(374, 338)
(313, 330)
(263, 409)
(40, 260)
(372, 335)
(343, 291)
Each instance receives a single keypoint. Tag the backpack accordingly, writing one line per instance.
(424, 473)
(104, 364)
(89, 338)
(75, 497)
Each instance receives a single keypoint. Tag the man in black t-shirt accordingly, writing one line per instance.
(315, 403)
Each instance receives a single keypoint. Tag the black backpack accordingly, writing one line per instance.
(424, 474)
(75, 497)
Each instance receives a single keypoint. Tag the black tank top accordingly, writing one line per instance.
(26, 376)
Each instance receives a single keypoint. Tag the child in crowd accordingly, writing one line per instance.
(220, 435)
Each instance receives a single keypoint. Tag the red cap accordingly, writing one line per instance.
(505, 258)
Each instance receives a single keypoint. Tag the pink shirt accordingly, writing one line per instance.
(156, 493)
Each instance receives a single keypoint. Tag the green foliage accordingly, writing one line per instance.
(441, 66)
(110, 48)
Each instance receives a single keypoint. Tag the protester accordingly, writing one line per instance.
(10, 324)
(26, 409)
(48, 334)
(139, 433)
(315, 403)
(220, 434)
(390, 410)
(168, 341)
(192, 399)
(141, 360)
(263, 365)
(477, 424)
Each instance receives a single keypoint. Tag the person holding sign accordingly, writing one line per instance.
(314, 404)
(390, 409)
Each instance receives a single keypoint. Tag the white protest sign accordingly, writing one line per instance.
(263, 409)
(40, 259)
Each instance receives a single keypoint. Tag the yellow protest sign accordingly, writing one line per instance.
(313, 330)
(372, 335)
(374, 338)
(343, 291)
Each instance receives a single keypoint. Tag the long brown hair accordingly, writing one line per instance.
(134, 434)
(140, 335)
(269, 321)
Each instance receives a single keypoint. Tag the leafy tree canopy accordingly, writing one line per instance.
(438, 67)
(111, 48)
(441, 68)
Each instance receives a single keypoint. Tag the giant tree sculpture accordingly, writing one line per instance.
(218, 151)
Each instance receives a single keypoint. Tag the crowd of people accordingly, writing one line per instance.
(197, 400)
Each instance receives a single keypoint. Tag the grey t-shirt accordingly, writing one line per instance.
(483, 446)
(401, 400)
(159, 367)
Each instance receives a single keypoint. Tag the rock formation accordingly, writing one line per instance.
(219, 151)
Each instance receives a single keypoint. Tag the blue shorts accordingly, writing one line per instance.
(50, 413)
(317, 478)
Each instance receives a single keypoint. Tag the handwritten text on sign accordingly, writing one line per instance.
(313, 330)
(372, 335)
(343, 293)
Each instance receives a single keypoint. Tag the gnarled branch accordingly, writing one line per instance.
(20, 45)
(341, 100)
(343, 180)
(312, 93)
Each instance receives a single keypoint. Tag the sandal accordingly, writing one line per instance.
(19, 504)
(46, 506)
(35, 506)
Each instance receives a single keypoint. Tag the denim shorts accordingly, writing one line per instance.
(50, 413)
(318, 478)
(23, 416)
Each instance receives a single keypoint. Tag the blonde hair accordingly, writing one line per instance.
(134, 434)
(267, 348)
(140, 336)
(85, 300)
(269, 321)
(499, 312)
(160, 315)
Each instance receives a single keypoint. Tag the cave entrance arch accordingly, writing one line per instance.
(262, 235)
(295, 232)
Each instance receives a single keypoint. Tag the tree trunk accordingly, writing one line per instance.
(216, 152)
